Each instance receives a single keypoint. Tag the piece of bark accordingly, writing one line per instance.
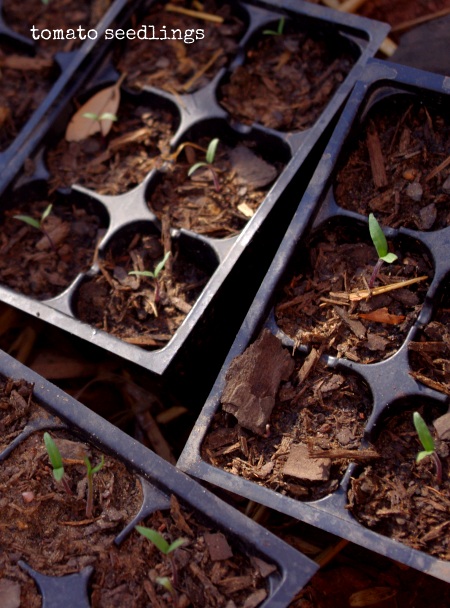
(218, 546)
(303, 466)
(376, 158)
(253, 380)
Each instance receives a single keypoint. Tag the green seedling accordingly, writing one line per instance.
(100, 117)
(154, 274)
(38, 224)
(56, 462)
(166, 549)
(380, 244)
(208, 163)
(90, 472)
(278, 31)
(165, 582)
(428, 445)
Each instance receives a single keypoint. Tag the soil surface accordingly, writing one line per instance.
(175, 65)
(50, 530)
(215, 209)
(129, 307)
(137, 143)
(430, 354)
(56, 14)
(37, 266)
(24, 83)
(399, 498)
(326, 299)
(308, 441)
(286, 81)
(398, 167)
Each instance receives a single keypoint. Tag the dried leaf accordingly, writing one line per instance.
(369, 597)
(382, 315)
(104, 103)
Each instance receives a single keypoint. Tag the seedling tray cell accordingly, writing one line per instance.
(149, 499)
(394, 386)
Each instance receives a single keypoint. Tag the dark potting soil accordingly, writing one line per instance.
(326, 300)
(138, 142)
(286, 81)
(400, 498)
(308, 441)
(34, 266)
(55, 14)
(218, 210)
(188, 62)
(398, 167)
(24, 83)
(50, 530)
(429, 354)
(128, 306)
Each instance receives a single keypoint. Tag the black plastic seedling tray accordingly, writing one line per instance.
(389, 383)
(159, 480)
(241, 259)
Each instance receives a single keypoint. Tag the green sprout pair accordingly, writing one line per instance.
(38, 224)
(60, 476)
(208, 163)
(427, 441)
(380, 244)
(168, 551)
(154, 274)
(278, 31)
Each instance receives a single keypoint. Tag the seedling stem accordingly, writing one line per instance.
(427, 442)
(56, 461)
(380, 244)
(208, 163)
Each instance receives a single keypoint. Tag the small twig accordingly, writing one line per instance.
(357, 455)
(172, 8)
(444, 164)
(419, 20)
(363, 294)
(187, 85)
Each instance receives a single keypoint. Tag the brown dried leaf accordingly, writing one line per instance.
(382, 315)
(369, 597)
(105, 101)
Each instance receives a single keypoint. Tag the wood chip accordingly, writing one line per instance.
(376, 157)
(302, 466)
(218, 546)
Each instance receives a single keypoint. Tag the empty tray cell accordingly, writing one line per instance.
(316, 424)
(399, 497)
(287, 80)
(116, 162)
(144, 310)
(42, 260)
(326, 299)
(59, 25)
(218, 198)
(24, 82)
(177, 51)
(429, 353)
(396, 166)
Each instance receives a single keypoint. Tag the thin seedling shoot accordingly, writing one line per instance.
(38, 224)
(90, 472)
(57, 462)
(381, 246)
(154, 274)
(168, 550)
(208, 163)
(278, 31)
(427, 441)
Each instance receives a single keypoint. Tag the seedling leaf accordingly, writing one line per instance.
(31, 221)
(46, 213)
(377, 236)
(211, 151)
(155, 537)
(425, 436)
(194, 168)
(55, 457)
(160, 265)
